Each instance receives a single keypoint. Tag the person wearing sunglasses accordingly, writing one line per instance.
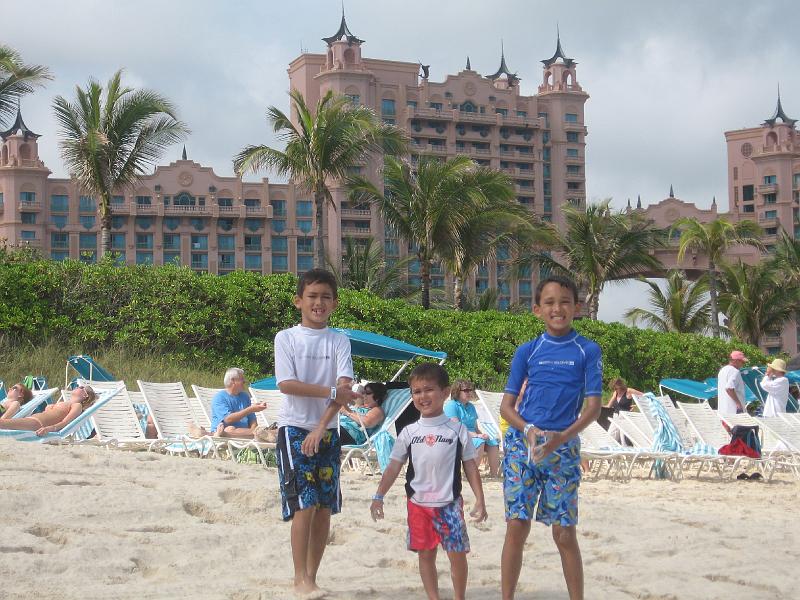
(55, 416)
(17, 395)
(461, 408)
(369, 413)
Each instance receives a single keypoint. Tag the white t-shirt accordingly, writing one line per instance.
(777, 395)
(435, 448)
(729, 377)
(316, 356)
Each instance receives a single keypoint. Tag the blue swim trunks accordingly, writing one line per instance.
(308, 481)
(550, 487)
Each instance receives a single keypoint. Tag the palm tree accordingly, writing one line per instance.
(16, 80)
(321, 148)
(598, 245)
(430, 205)
(787, 257)
(683, 307)
(111, 137)
(713, 239)
(364, 267)
(756, 300)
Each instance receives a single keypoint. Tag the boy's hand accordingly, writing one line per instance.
(533, 432)
(345, 394)
(310, 445)
(376, 510)
(554, 440)
(478, 512)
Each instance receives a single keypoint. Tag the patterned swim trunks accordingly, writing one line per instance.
(308, 481)
(430, 526)
(550, 487)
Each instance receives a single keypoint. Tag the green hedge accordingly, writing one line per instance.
(216, 322)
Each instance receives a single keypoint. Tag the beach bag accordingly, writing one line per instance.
(744, 442)
(268, 435)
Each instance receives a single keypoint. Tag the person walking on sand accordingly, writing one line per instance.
(314, 371)
(435, 447)
(541, 466)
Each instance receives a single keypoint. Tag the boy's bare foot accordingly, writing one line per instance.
(308, 590)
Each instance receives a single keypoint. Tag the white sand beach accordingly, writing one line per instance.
(83, 523)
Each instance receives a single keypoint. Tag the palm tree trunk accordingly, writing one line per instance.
(458, 293)
(105, 226)
(319, 204)
(712, 292)
(425, 274)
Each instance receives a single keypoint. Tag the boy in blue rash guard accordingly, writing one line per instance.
(542, 462)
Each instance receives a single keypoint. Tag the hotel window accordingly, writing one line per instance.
(278, 225)
(747, 193)
(172, 223)
(27, 196)
(144, 241)
(59, 255)
(548, 205)
(172, 258)
(144, 222)
(573, 170)
(28, 218)
(414, 281)
(571, 118)
(355, 99)
(252, 242)
(278, 208)
(225, 224)
(413, 266)
(183, 199)
(572, 153)
(280, 244)
(227, 262)
(59, 203)
(252, 203)
(118, 241)
(543, 115)
(87, 221)
(199, 242)
(198, 223)
(59, 221)
(572, 137)
(280, 263)
(435, 105)
(796, 180)
(391, 248)
(59, 240)
(305, 262)
(770, 179)
(117, 199)
(546, 170)
(468, 107)
(304, 208)
(144, 258)
(771, 214)
(226, 242)
(547, 187)
(522, 113)
(305, 245)
(172, 241)
(200, 261)
(411, 103)
(387, 107)
(771, 231)
(118, 222)
(87, 204)
(749, 208)
(501, 111)
(524, 288)
(144, 200)
(304, 225)
(545, 137)
(28, 235)
(253, 224)
(770, 198)
(252, 262)
(225, 201)
(574, 185)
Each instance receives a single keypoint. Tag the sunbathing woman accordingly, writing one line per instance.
(461, 408)
(17, 396)
(369, 413)
(55, 416)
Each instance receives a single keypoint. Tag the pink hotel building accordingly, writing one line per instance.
(186, 213)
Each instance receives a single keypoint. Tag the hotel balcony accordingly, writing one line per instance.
(24, 205)
(533, 122)
(431, 113)
(768, 220)
(352, 212)
(772, 340)
(360, 231)
(769, 188)
(258, 211)
(569, 126)
(524, 173)
(573, 160)
(472, 117)
(575, 177)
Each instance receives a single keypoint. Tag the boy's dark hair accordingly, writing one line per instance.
(564, 282)
(317, 276)
(431, 372)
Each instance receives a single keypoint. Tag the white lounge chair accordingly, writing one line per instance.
(488, 409)
(117, 424)
(273, 399)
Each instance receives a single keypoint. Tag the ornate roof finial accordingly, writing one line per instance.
(639, 201)
(780, 114)
(503, 69)
(629, 203)
(183, 154)
(559, 53)
(714, 201)
(671, 191)
(343, 32)
(469, 67)
(19, 126)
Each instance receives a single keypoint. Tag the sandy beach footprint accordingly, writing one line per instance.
(50, 533)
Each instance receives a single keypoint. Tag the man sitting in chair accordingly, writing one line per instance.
(232, 413)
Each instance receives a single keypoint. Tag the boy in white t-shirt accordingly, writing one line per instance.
(314, 370)
(435, 447)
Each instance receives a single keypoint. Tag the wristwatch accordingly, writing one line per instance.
(333, 392)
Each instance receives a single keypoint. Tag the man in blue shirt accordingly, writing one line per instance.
(232, 414)
(541, 466)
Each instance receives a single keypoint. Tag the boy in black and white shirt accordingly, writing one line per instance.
(435, 447)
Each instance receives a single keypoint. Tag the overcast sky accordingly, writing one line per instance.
(666, 79)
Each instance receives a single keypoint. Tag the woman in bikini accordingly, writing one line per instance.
(18, 395)
(55, 416)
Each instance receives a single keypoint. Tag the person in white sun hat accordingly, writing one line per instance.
(776, 385)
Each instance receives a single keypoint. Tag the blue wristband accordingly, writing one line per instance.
(378, 498)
